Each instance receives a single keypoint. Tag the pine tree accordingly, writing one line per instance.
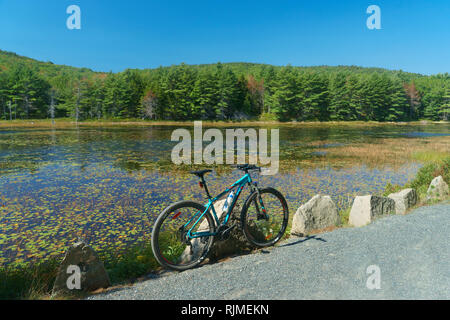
(27, 91)
(444, 110)
(315, 97)
(268, 74)
(286, 97)
(204, 96)
(339, 108)
(227, 92)
(399, 106)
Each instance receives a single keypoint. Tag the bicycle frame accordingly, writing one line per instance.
(240, 184)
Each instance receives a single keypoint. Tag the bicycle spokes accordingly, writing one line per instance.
(265, 218)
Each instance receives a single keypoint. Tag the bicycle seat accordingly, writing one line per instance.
(247, 167)
(201, 173)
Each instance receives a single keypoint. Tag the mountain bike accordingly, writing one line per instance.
(185, 231)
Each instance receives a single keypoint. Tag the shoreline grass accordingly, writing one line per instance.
(392, 151)
(68, 122)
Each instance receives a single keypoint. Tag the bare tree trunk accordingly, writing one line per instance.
(411, 103)
(52, 107)
(10, 110)
(99, 114)
(77, 110)
(27, 107)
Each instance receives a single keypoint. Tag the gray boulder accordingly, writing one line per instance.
(368, 208)
(404, 200)
(438, 189)
(93, 275)
(318, 213)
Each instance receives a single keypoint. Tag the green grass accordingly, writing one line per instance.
(132, 264)
(392, 188)
(27, 282)
(345, 216)
(430, 156)
(439, 167)
(264, 119)
(268, 117)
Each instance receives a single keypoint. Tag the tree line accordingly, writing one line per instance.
(33, 90)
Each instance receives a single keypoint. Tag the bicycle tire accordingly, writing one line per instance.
(245, 224)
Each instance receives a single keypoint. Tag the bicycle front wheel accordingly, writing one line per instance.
(172, 246)
(265, 217)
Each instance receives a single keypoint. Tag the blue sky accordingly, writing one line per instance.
(116, 35)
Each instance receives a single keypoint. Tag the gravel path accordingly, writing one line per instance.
(412, 253)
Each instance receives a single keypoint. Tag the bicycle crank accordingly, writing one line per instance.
(224, 232)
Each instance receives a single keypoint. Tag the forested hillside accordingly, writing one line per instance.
(31, 89)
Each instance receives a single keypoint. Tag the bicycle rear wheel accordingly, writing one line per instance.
(171, 246)
(264, 219)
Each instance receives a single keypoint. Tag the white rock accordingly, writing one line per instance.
(404, 200)
(438, 189)
(197, 245)
(367, 208)
(318, 213)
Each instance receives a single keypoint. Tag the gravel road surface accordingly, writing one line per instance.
(412, 253)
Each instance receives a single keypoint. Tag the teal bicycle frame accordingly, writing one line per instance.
(240, 184)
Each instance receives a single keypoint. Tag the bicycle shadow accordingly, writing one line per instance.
(265, 250)
(301, 240)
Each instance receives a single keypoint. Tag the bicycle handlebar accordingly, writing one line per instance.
(248, 167)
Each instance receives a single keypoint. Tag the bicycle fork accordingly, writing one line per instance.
(261, 214)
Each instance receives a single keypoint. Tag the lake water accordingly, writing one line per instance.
(107, 185)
